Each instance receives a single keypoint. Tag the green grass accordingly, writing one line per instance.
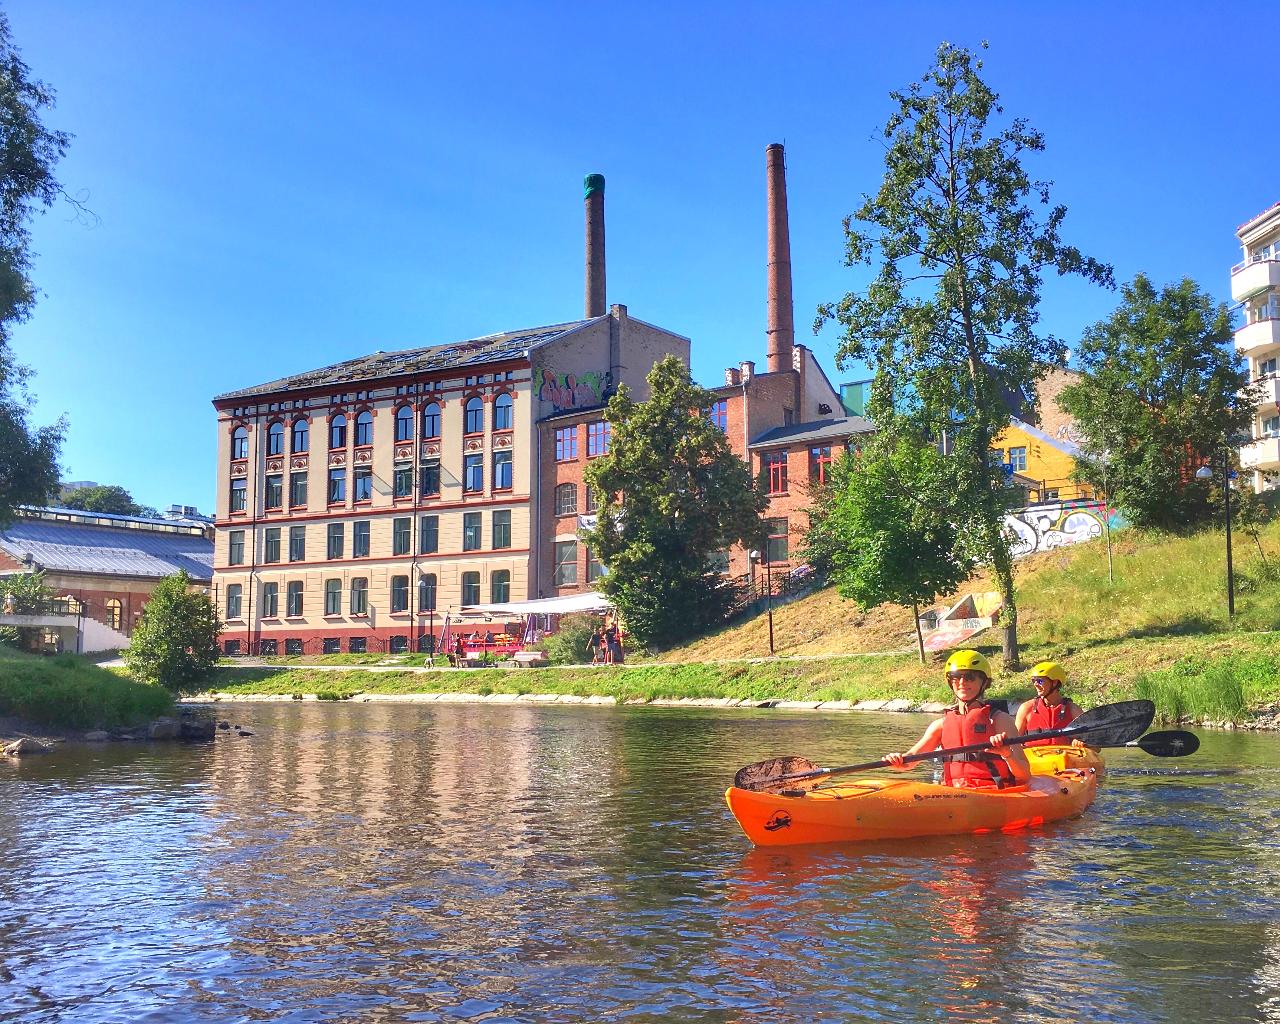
(70, 692)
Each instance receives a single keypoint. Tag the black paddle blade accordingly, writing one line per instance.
(1174, 743)
(1113, 725)
(759, 775)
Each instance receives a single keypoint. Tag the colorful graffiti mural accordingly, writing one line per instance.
(1059, 523)
(569, 390)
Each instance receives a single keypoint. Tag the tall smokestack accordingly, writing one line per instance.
(594, 199)
(782, 331)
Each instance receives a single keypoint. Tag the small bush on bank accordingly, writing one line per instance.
(568, 646)
(69, 692)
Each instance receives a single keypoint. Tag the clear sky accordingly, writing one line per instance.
(284, 185)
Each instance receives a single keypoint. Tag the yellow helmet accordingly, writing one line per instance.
(962, 661)
(1050, 670)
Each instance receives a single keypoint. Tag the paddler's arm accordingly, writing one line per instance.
(1013, 756)
(931, 740)
(1024, 709)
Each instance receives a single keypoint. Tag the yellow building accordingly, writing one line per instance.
(1041, 464)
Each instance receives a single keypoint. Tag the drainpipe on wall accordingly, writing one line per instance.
(253, 530)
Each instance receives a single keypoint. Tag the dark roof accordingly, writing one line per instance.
(455, 355)
(814, 430)
(74, 543)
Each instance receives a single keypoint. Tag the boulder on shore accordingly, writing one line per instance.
(25, 747)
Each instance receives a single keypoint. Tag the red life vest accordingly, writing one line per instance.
(1047, 716)
(979, 769)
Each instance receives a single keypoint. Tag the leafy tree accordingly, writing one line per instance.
(28, 593)
(672, 495)
(891, 526)
(28, 153)
(176, 642)
(109, 498)
(1162, 392)
(950, 321)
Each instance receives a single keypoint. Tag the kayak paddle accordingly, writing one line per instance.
(1174, 743)
(1108, 725)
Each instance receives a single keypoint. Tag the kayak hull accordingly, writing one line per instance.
(867, 809)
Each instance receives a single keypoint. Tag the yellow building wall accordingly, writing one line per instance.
(1049, 467)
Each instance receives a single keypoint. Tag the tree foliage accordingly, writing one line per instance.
(176, 643)
(1162, 393)
(109, 498)
(28, 594)
(950, 322)
(672, 494)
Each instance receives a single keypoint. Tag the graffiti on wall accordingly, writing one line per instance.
(569, 390)
(1057, 524)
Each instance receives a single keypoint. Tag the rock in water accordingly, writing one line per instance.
(163, 729)
(25, 747)
(97, 736)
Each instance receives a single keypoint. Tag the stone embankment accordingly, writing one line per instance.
(189, 726)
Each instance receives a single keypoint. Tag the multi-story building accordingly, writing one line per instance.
(1255, 284)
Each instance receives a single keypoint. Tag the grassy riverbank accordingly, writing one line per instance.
(70, 692)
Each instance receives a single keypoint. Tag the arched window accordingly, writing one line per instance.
(427, 592)
(300, 429)
(338, 431)
(115, 613)
(364, 428)
(500, 586)
(475, 416)
(431, 421)
(275, 438)
(240, 443)
(502, 412)
(404, 423)
(567, 499)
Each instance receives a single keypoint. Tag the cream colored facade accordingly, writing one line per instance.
(1255, 284)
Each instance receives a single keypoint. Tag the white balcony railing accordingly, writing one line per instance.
(1253, 276)
(1264, 453)
(1269, 397)
(1255, 338)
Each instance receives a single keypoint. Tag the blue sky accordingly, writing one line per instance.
(282, 186)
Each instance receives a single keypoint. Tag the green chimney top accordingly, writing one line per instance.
(593, 183)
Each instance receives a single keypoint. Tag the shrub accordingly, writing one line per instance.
(177, 641)
(568, 646)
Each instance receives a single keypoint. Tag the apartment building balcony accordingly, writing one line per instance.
(1270, 392)
(1263, 333)
(1264, 454)
(1252, 276)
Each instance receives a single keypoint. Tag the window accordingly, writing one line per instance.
(332, 645)
(268, 647)
(502, 471)
(363, 489)
(270, 600)
(275, 438)
(773, 470)
(719, 561)
(300, 436)
(356, 645)
(293, 646)
(239, 495)
(592, 503)
(820, 461)
(598, 435)
(430, 479)
(427, 592)
(1271, 427)
(1266, 368)
(364, 429)
(293, 598)
(235, 547)
(566, 572)
(431, 421)
(338, 432)
(594, 568)
(567, 499)
(500, 586)
(471, 531)
(360, 540)
(337, 486)
(776, 549)
(502, 418)
(788, 417)
(231, 646)
(473, 473)
(240, 443)
(719, 414)
(333, 597)
(502, 528)
(403, 481)
(404, 423)
(428, 535)
(566, 444)
(400, 529)
(298, 489)
(360, 596)
(274, 496)
(297, 543)
(399, 644)
(470, 588)
(271, 545)
(115, 613)
(399, 593)
(333, 547)
(474, 416)
(1018, 459)
(233, 600)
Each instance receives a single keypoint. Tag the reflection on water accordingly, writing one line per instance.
(528, 863)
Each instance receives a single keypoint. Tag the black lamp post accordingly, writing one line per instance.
(768, 592)
(1206, 473)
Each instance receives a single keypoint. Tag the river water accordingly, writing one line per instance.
(539, 863)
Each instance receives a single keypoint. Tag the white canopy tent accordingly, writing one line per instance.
(590, 602)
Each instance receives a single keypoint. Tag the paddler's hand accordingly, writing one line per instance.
(997, 740)
(895, 762)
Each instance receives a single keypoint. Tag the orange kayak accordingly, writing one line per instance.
(862, 808)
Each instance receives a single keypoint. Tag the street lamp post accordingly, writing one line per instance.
(768, 591)
(1206, 473)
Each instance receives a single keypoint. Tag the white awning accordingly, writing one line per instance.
(590, 602)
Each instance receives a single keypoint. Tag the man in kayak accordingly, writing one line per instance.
(1049, 709)
(972, 720)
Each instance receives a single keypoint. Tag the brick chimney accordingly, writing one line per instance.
(732, 376)
(781, 331)
(594, 200)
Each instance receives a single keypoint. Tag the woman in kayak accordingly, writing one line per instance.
(1049, 709)
(972, 720)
